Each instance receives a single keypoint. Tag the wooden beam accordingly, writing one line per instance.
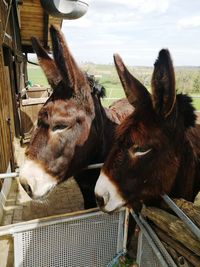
(46, 30)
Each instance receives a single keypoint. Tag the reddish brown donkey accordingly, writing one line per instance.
(73, 129)
(157, 147)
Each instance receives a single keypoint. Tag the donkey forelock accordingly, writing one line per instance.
(152, 144)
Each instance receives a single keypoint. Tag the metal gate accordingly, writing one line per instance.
(89, 239)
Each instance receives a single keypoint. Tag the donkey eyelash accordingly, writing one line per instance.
(59, 127)
(142, 153)
(136, 150)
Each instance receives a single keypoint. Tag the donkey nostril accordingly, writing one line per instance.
(100, 201)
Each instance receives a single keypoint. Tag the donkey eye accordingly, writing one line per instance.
(59, 127)
(136, 150)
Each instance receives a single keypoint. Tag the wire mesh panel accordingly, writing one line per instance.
(145, 254)
(84, 241)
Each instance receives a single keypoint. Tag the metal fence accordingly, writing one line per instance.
(88, 239)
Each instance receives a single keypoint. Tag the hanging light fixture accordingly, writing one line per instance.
(65, 9)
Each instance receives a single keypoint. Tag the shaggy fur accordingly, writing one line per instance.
(163, 123)
(73, 128)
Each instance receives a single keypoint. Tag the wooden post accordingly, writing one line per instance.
(174, 227)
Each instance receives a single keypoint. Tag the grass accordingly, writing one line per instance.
(107, 76)
(196, 103)
(36, 76)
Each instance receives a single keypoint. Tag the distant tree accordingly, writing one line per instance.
(196, 84)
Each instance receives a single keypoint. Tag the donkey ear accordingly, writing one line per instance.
(135, 91)
(47, 64)
(163, 84)
(72, 75)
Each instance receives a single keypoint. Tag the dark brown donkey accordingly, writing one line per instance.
(73, 129)
(157, 147)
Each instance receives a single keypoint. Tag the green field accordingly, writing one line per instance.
(187, 80)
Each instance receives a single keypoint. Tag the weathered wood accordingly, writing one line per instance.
(179, 260)
(174, 227)
(34, 101)
(9, 46)
(174, 245)
(32, 22)
(197, 201)
(6, 112)
(29, 109)
(182, 262)
(192, 211)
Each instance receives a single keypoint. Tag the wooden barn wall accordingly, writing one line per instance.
(32, 22)
(25, 20)
(6, 113)
(6, 96)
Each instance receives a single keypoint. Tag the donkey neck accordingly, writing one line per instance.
(104, 128)
(187, 182)
(106, 120)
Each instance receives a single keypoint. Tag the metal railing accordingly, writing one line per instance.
(151, 237)
(16, 173)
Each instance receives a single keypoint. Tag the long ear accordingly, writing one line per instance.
(72, 75)
(163, 84)
(73, 78)
(47, 64)
(135, 91)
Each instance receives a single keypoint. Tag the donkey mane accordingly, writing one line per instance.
(96, 88)
(187, 110)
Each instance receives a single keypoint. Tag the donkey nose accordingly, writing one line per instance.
(27, 188)
(100, 201)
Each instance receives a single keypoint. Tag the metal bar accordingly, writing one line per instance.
(149, 239)
(159, 244)
(16, 174)
(37, 223)
(126, 224)
(120, 238)
(193, 228)
(94, 166)
(9, 175)
(51, 220)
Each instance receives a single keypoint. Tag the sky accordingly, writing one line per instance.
(137, 30)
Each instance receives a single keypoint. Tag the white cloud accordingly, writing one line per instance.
(136, 29)
(144, 6)
(83, 22)
(190, 22)
(118, 11)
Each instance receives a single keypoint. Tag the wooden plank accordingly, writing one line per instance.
(4, 114)
(34, 101)
(32, 22)
(10, 100)
(7, 28)
(29, 113)
(174, 227)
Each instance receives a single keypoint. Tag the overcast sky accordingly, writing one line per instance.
(137, 30)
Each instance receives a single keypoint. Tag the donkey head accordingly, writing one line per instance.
(64, 121)
(146, 157)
